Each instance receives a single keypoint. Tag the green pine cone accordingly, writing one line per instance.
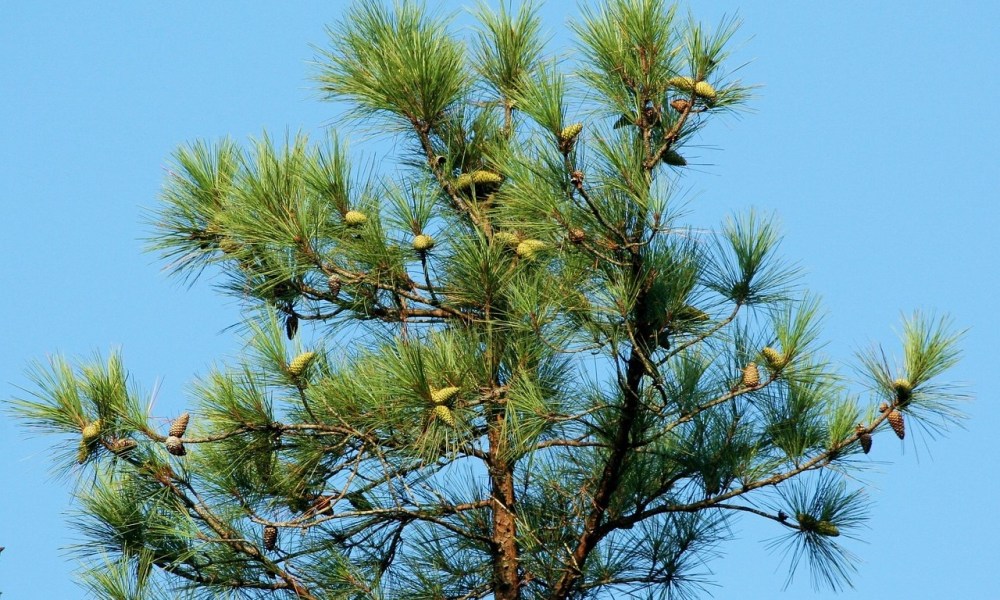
(423, 242)
(355, 218)
(571, 131)
(529, 249)
(299, 364)
(443, 395)
(91, 431)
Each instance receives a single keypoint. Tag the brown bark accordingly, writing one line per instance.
(607, 484)
(611, 475)
(506, 560)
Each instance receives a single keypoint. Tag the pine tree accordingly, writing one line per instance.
(533, 381)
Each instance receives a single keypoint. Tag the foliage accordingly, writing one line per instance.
(532, 380)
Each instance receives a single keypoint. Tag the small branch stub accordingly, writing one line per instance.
(333, 283)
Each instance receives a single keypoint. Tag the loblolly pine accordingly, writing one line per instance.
(506, 406)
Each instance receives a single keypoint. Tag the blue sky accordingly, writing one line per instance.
(873, 138)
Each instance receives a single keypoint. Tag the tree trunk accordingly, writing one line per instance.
(506, 562)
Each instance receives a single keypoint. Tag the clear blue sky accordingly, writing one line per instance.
(874, 138)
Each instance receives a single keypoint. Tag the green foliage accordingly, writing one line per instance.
(817, 504)
(597, 436)
(402, 62)
(509, 46)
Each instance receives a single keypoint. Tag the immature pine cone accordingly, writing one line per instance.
(506, 238)
(299, 363)
(774, 359)
(91, 431)
(444, 413)
(706, 91)
(423, 242)
(571, 131)
(443, 395)
(903, 389)
(355, 218)
(528, 249)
